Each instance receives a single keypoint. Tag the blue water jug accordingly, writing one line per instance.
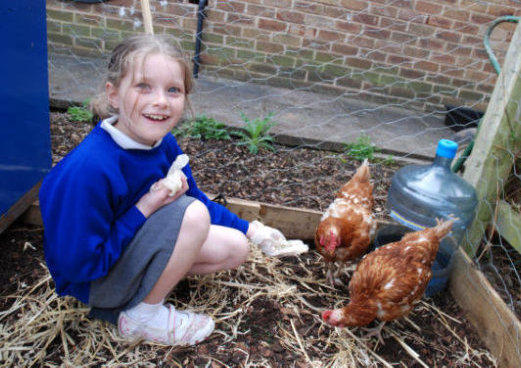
(421, 193)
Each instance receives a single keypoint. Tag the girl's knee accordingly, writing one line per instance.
(241, 250)
(197, 216)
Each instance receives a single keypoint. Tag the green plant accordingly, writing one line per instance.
(389, 161)
(361, 149)
(204, 128)
(256, 133)
(81, 113)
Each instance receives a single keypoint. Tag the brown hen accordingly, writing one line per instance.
(347, 226)
(390, 280)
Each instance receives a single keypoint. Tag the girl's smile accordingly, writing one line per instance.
(156, 117)
(150, 98)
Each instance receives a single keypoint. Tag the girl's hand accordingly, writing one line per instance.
(159, 196)
(272, 242)
(263, 235)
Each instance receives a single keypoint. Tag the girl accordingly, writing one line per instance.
(113, 242)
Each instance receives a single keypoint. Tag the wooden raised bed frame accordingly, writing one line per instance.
(496, 324)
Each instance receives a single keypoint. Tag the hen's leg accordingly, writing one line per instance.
(333, 276)
(336, 275)
(377, 331)
(329, 274)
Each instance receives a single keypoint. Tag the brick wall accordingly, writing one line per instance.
(426, 53)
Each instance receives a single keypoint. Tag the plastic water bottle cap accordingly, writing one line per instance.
(446, 148)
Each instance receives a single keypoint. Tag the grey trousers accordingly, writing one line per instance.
(142, 262)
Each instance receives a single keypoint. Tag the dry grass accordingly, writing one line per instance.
(267, 314)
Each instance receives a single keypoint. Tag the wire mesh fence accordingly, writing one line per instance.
(389, 70)
(335, 82)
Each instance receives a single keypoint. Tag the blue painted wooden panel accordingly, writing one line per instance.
(25, 153)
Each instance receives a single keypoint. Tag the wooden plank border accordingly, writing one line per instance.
(496, 324)
(17, 209)
(295, 223)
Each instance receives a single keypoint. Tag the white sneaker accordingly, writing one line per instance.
(181, 329)
(285, 248)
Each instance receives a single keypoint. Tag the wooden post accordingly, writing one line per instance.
(147, 16)
(491, 160)
(487, 169)
(509, 225)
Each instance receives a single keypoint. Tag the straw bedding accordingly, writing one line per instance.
(267, 315)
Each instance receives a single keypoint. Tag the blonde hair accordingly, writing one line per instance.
(122, 60)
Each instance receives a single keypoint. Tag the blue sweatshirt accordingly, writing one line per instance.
(88, 206)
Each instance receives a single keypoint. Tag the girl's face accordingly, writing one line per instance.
(150, 98)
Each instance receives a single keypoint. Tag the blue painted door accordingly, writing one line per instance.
(25, 152)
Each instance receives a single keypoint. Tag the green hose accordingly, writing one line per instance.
(486, 41)
(458, 165)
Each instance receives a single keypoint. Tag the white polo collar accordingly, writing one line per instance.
(123, 140)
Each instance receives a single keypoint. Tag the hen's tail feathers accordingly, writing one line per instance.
(442, 228)
(363, 173)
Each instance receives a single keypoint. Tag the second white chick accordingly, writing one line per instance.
(173, 180)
